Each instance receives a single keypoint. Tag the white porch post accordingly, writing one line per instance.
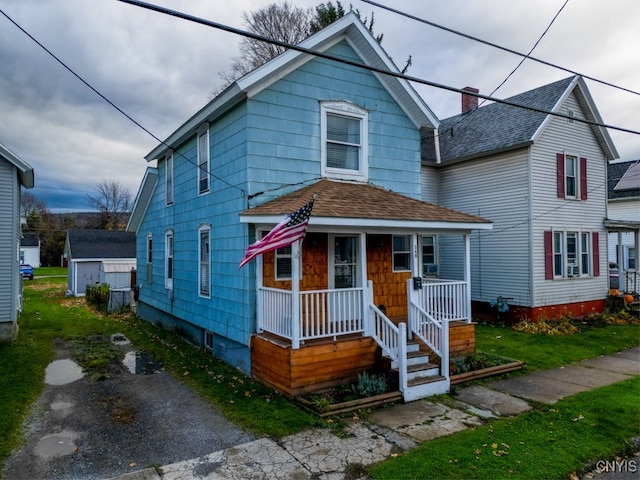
(259, 306)
(295, 294)
(467, 273)
(367, 289)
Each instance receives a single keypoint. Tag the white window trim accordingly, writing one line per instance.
(408, 252)
(435, 256)
(203, 228)
(565, 259)
(576, 158)
(203, 131)
(169, 254)
(149, 257)
(169, 174)
(348, 110)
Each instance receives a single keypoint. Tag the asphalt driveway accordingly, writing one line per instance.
(83, 428)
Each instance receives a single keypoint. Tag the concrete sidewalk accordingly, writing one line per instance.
(319, 454)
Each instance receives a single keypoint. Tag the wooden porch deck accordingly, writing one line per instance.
(322, 364)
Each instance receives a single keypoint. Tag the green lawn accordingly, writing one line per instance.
(549, 351)
(548, 442)
(586, 427)
(48, 315)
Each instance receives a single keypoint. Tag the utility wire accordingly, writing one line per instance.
(371, 68)
(491, 44)
(93, 89)
(470, 114)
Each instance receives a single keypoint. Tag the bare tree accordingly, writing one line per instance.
(113, 201)
(277, 21)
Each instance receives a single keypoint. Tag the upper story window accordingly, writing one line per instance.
(344, 141)
(203, 160)
(168, 166)
(204, 265)
(168, 260)
(571, 176)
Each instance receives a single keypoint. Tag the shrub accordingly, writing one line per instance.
(370, 385)
(98, 296)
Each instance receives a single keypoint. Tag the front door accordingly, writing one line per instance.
(344, 268)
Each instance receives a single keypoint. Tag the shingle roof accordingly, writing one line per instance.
(615, 173)
(497, 126)
(30, 239)
(101, 244)
(349, 200)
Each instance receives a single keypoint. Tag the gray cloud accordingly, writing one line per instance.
(160, 70)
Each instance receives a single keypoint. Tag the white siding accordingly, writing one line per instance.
(550, 212)
(498, 190)
(624, 209)
(429, 184)
(9, 243)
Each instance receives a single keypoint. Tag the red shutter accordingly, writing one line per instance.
(595, 246)
(560, 174)
(548, 255)
(583, 178)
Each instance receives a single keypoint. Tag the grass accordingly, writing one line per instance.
(49, 315)
(550, 351)
(548, 442)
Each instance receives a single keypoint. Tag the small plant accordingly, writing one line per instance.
(476, 361)
(560, 326)
(370, 385)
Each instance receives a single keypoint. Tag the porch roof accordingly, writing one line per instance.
(340, 203)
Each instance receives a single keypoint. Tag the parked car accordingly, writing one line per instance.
(26, 271)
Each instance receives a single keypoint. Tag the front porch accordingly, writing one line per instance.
(341, 333)
(368, 281)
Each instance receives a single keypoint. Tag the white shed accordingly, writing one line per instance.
(117, 273)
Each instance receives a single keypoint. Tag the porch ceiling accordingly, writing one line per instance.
(363, 205)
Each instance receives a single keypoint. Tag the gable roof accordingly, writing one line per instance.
(623, 179)
(498, 127)
(143, 198)
(99, 244)
(25, 171)
(362, 205)
(30, 239)
(349, 28)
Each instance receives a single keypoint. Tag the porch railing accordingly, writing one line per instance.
(323, 313)
(392, 339)
(443, 299)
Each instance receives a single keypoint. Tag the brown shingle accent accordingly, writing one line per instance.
(360, 200)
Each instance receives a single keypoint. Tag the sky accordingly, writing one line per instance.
(160, 70)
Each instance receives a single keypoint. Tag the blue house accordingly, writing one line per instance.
(364, 279)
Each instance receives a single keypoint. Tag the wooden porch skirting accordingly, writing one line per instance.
(325, 364)
(314, 366)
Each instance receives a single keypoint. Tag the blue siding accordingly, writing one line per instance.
(268, 141)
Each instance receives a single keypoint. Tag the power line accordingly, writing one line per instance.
(93, 89)
(495, 45)
(227, 28)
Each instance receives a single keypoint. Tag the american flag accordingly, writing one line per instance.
(292, 228)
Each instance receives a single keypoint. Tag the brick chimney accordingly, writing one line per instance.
(469, 102)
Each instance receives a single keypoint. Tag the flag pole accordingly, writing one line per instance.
(295, 294)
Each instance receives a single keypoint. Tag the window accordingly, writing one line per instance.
(149, 258)
(631, 258)
(571, 172)
(428, 251)
(168, 166)
(283, 263)
(203, 161)
(344, 141)
(208, 340)
(571, 254)
(168, 262)
(204, 266)
(401, 253)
